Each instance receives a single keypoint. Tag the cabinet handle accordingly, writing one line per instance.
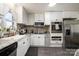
(56, 42)
(38, 37)
(23, 42)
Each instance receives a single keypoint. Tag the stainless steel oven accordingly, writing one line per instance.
(56, 27)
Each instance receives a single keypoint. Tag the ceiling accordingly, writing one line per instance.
(43, 7)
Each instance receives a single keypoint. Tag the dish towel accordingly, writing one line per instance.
(57, 26)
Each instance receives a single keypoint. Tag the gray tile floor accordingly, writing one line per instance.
(54, 51)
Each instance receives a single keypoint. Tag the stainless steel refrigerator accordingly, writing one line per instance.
(71, 34)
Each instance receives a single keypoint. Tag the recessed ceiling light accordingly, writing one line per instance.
(51, 4)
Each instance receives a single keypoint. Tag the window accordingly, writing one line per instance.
(8, 20)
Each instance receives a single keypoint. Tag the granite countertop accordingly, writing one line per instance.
(10, 40)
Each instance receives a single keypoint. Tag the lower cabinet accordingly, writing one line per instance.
(38, 40)
(23, 46)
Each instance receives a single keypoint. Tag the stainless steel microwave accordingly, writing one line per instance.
(39, 24)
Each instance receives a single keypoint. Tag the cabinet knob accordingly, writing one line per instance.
(23, 42)
(38, 37)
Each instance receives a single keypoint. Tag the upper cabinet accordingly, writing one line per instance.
(25, 16)
(47, 18)
(35, 17)
(39, 17)
(56, 16)
(22, 15)
(19, 14)
(31, 19)
(71, 14)
(53, 17)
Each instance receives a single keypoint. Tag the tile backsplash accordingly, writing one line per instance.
(33, 29)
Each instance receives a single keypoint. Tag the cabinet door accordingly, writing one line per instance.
(28, 43)
(56, 16)
(19, 11)
(20, 51)
(70, 14)
(39, 17)
(53, 17)
(41, 40)
(31, 19)
(47, 18)
(22, 47)
(37, 40)
(34, 40)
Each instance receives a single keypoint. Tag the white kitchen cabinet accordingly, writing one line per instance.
(31, 19)
(71, 14)
(23, 46)
(25, 16)
(37, 40)
(53, 17)
(19, 12)
(56, 16)
(39, 17)
(47, 18)
(28, 41)
(22, 15)
(35, 17)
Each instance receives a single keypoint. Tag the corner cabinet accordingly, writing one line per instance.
(38, 40)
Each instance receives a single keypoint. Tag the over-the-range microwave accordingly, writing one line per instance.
(39, 24)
